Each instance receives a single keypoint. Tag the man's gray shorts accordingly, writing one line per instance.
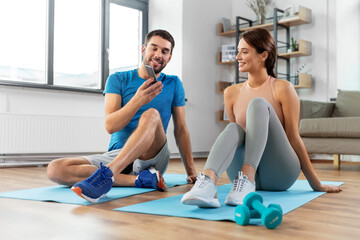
(160, 161)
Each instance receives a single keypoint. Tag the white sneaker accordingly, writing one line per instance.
(242, 186)
(202, 193)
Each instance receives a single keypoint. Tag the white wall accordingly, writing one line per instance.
(348, 50)
(200, 69)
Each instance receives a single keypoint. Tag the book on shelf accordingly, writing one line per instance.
(226, 24)
(225, 116)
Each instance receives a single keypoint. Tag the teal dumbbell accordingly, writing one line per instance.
(271, 216)
(243, 214)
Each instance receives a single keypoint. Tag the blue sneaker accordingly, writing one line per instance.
(96, 186)
(150, 178)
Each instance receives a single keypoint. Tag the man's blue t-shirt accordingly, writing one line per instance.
(126, 84)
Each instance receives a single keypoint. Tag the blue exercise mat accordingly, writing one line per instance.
(63, 194)
(299, 194)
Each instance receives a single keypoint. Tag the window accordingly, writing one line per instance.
(69, 44)
(22, 42)
(128, 21)
(77, 43)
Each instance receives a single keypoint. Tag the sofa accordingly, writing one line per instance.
(332, 127)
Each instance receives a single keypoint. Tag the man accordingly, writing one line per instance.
(137, 113)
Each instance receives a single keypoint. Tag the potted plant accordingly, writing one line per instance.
(294, 45)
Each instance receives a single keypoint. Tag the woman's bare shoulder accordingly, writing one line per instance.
(284, 90)
(233, 90)
(282, 85)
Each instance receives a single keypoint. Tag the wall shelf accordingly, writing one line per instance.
(305, 81)
(220, 117)
(304, 50)
(227, 63)
(303, 17)
(221, 86)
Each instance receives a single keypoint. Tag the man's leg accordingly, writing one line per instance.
(68, 171)
(144, 143)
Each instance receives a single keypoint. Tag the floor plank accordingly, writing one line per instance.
(332, 216)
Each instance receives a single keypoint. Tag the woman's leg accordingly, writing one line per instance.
(221, 155)
(267, 149)
(269, 162)
(222, 152)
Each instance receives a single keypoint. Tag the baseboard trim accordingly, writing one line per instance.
(326, 161)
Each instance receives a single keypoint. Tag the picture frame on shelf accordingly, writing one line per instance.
(228, 53)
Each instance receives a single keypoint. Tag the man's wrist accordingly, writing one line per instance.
(191, 171)
(135, 104)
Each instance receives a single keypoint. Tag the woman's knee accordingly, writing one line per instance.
(258, 106)
(258, 102)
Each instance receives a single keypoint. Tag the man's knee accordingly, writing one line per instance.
(55, 170)
(150, 116)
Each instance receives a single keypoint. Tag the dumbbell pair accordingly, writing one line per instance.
(253, 207)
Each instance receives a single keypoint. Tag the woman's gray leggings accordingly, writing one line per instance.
(264, 146)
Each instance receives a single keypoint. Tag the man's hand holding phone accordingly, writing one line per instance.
(148, 90)
(151, 73)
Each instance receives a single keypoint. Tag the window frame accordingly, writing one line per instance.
(141, 5)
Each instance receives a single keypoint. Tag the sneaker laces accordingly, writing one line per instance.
(101, 178)
(201, 180)
(239, 182)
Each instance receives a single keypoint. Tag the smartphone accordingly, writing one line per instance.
(151, 72)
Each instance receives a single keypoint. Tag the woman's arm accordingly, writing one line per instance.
(230, 95)
(290, 104)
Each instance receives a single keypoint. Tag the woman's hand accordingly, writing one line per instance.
(330, 189)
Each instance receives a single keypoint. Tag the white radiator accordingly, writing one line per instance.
(36, 134)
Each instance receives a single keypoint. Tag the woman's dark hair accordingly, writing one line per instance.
(261, 40)
(162, 33)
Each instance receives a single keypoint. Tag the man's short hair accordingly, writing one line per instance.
(162, 33)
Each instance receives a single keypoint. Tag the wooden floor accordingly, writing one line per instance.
(331, 216)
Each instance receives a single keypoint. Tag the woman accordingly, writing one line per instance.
(261, 147)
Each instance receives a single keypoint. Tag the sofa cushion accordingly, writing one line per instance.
(345, 127)
(349, 146)
(314, 109)
(347, 104)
